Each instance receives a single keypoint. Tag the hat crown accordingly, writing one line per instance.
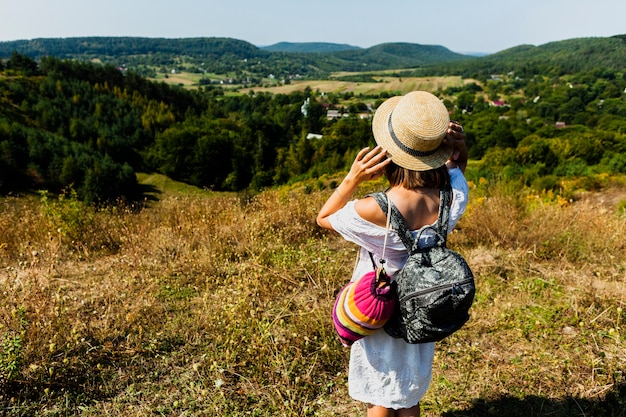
(419, 121)
(411, 129)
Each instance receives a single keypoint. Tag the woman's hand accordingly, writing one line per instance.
(369, 164)
(456, 138)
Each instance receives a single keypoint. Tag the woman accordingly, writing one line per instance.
(419, 150)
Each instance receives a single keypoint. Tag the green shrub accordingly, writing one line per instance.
(621, 208)
(11, 344)
(69, 215)
(549, 182)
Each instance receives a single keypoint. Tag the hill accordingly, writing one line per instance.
(224, 55)
(202, 304)
(397, 55)
(317, 60)
(555, 58)
(308, 47)
(120, 47)
(580, 54)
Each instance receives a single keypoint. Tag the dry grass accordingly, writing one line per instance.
(384, 84)
(219, 305)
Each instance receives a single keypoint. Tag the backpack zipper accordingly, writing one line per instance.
(437, 288)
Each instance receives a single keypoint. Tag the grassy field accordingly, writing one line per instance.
(203, 304)
(185, 79)
(384, 83)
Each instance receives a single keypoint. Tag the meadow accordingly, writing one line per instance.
(382, 81)
(194, 303)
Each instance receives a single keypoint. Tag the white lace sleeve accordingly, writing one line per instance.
(460, 193)
(354, 228)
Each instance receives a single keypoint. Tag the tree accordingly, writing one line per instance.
(106, 180)
(569, 109)
(315, 116)
(534, 150)
(465, 101)
(21, 64)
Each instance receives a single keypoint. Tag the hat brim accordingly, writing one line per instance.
(382, 136)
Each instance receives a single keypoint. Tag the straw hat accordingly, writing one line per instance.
(411, 129)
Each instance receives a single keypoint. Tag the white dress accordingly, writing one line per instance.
(386, 371)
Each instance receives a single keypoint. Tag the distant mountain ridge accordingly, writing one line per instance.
(566, 56)
(324, 47)
(128, 46)
(320, 59)
(309, 47)
(302, 58)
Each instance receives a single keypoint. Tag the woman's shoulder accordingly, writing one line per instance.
(368, 209)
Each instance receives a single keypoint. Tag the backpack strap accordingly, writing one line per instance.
(445, 200)
(399, 223)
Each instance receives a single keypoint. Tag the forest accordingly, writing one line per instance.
(92, 127)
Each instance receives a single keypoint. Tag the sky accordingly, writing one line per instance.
(462, 26)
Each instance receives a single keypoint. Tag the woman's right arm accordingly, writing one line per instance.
(456, 137)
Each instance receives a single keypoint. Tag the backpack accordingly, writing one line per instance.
(436, 285)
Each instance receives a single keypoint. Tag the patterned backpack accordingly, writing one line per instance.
(436, 285)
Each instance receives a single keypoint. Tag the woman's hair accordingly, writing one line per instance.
(433, 178)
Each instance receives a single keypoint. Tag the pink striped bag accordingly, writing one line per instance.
(365, 305)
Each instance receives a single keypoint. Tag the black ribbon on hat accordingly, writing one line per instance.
(402, 146)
